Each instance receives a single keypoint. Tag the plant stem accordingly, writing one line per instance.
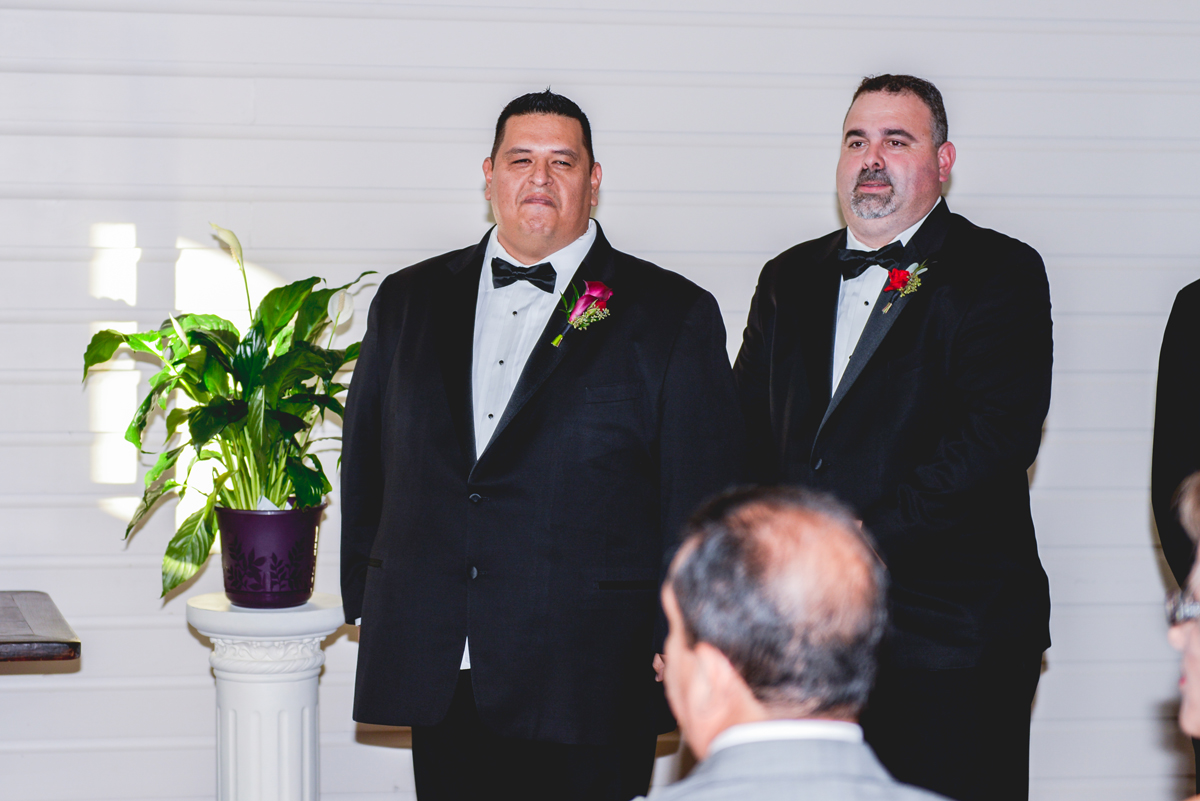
(246, 284)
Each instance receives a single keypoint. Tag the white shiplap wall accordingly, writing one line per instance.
(341, 136)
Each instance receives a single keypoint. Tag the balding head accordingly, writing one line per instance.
(785, 585)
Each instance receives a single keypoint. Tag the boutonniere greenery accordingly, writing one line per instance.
(584, 308)
(905, 282)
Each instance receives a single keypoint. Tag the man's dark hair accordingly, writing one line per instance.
(924, 90)
(800, 636)
(544, 103)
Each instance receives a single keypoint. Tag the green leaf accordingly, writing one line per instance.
(221, 345)
(255, 427)
(138, 424)
(352, 351)
(284, 371)
(313, 315)
(209, 322)
(280, 304)
(166, 460)
(311, 485)
(188, 549)
(175, 418)
(301, 403)
(283, 340)
(250, 359)
(228, 237)
(102, 347)
(216, 378)
(205, 422)
(290, 424)
(150, 498)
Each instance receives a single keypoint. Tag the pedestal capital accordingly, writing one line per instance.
(215, 617)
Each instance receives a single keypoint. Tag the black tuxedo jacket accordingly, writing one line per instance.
(1177, 426)
(928, 436)
(548, 548)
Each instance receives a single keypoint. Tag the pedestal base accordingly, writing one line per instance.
(266, 663)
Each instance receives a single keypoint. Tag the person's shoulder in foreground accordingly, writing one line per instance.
(775, 603)
(816, 770)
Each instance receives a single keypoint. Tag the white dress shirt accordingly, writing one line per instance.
(769, 730)
(508, 322)
(856, 301)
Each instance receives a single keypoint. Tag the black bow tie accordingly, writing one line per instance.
(540, 275)
(853, 262)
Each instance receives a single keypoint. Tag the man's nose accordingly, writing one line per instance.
(873, 157)
(541, 174)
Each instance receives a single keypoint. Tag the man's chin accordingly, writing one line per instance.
(870, 207)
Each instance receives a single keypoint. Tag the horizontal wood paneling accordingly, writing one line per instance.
(336, 137)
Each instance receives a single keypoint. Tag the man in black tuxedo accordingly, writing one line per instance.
(513, 485)
(904, 365)
(1177, 433)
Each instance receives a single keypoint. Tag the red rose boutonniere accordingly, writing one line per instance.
(903, 281)
(585, 308)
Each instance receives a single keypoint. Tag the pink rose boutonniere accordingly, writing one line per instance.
(903, 281)
(585, 308)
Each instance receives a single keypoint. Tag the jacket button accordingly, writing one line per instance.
(475, 497)
(474, 572)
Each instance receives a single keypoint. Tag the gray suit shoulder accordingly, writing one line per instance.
(813, 770)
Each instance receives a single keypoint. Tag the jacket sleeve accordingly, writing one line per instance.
(362, 476)
(999, 368)
(1177, 427)
(751, 373)
(702, 437)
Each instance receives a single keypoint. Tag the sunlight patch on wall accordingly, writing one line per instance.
(120, 507)
(114, 270)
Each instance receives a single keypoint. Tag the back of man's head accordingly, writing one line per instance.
(785, 584)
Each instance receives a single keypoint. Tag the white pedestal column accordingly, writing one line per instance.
(266, 662)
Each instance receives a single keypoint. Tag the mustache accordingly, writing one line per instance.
(879, 176)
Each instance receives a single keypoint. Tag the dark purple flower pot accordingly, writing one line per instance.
(269, 558)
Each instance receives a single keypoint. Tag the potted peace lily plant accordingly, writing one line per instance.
(250, 403)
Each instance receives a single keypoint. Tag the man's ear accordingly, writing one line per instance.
(487, 178)
(946, 156)
(597, 174)
(719, 678)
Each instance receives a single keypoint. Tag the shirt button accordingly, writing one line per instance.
(514, 314)
(474, 572)
(502, 361)
(475, 497)
(490, 416)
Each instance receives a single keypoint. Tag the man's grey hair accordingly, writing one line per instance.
(750, 581)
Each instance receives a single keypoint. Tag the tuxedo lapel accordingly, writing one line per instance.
(924, 243)
(818, 298)
(455, 326)
(546, 357)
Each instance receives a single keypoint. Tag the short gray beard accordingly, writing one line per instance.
(872, 207)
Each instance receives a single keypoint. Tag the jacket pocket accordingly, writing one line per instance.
(611, 393)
